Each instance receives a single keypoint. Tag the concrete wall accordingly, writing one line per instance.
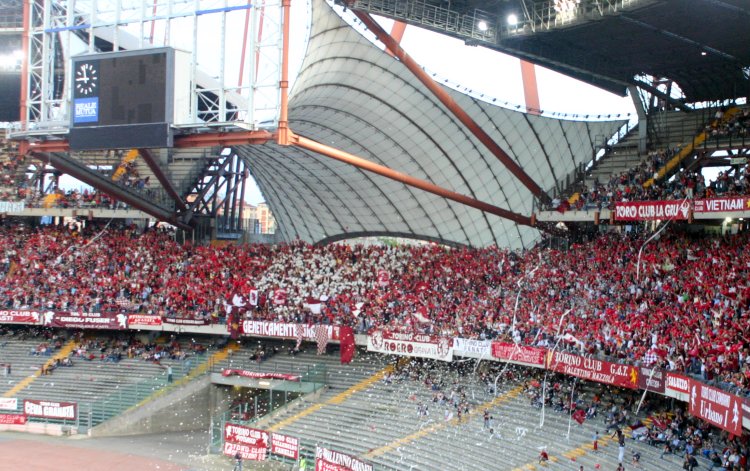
(184, 409)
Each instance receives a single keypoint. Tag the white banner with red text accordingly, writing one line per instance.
(330, 460)
(8, 403)
(470, 348)
(411, 345)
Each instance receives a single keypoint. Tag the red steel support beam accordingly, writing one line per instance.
(166, 183)
(284, 133)
(224, 139)
(448, 101)
(211, 139)
(364, 164)
(530, 88)
(397, 33)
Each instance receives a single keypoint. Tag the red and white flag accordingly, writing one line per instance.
(321, 336)
(279, 296)
(300, 331)
(421, 315)
(313, 304)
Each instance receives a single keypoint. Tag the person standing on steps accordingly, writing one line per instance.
(169, 374)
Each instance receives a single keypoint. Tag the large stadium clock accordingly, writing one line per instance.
(86, 79)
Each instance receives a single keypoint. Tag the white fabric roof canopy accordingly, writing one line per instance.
(353, 96)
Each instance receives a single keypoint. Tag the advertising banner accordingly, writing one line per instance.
(677, 386)
(472, 348)
(258, 375)
(184, 321)
(12, 206)
(623, 376)
(134, 320)
(8, 403)
(251, 443)
(19, 317)
(410, 344)
(720, 205)
(285, 330)
(715, 406)
(512, 353)
(84, 320)
(652, 210)
(284, 445)
(50, 409)
(329, 460)
(12, 419)
(651, 379)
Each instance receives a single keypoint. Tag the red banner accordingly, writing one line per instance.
(251, 443)
(720, 205)
(142, 319)
(257, 375)
(12, 419)
(651, 379)
(19, 317)
(624, 376)
(677, 383)
(329, 460)
(410, 344)
(512, 353)
(184, 321)
(652, 210)
(717, 407)
(84, 320)
(285, 330)
(50, 409)
(284, 445)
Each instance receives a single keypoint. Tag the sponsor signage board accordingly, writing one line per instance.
(410, 344)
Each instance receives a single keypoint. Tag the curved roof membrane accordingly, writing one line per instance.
(353, 96)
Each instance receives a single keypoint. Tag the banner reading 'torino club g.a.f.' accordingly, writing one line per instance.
(330, 460)
(615, 374)
(410, 344)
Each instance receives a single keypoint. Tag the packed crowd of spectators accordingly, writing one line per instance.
(628, 185)
(737, 126)
(685, 308)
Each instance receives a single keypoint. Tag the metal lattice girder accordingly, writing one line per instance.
(229, 86)
(82, 172)
(218, 190)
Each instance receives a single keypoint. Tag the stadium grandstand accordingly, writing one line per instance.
(430, 276)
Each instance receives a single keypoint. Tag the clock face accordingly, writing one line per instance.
(86, 79)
